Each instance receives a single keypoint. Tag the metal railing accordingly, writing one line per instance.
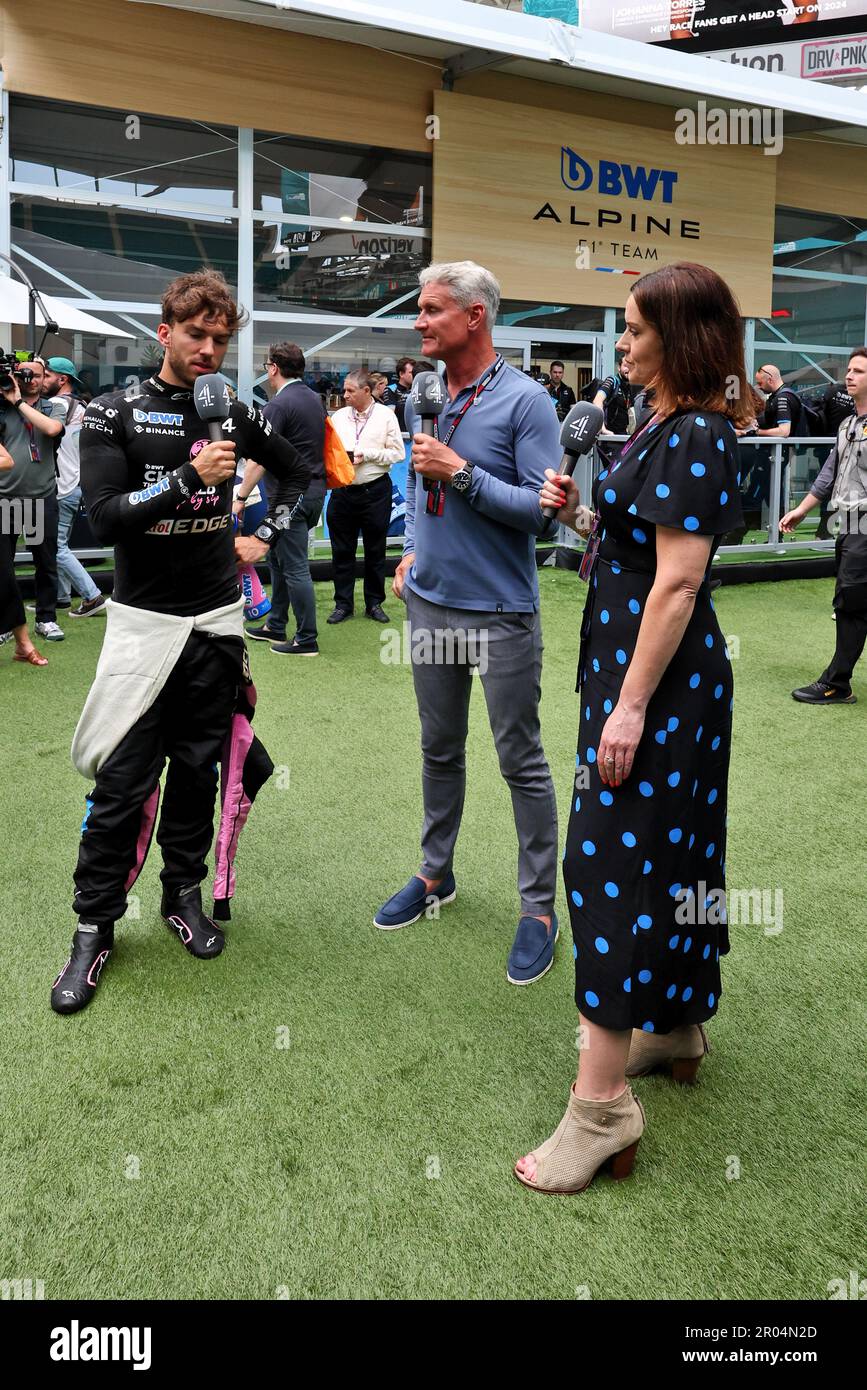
(790, 475)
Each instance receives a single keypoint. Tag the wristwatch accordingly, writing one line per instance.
(461, 480)
(267, 532)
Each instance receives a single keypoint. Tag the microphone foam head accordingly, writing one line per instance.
(428, 394)
(212, 397)
(581, 427)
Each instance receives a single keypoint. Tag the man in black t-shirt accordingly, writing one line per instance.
(161, 493)
(562, 395)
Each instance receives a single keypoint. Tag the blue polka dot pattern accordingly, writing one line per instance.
(648, 973)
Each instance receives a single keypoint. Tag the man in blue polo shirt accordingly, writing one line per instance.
(468, 576)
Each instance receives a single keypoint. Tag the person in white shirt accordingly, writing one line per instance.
(371, 436)
(60, 385)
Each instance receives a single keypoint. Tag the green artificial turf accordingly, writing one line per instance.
(332, 1111)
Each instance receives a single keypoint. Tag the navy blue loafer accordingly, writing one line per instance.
(409, 904)
(532, 953)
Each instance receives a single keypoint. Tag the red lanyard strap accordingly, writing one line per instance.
(486, 380)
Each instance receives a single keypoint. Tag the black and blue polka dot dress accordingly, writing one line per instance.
(644, 863)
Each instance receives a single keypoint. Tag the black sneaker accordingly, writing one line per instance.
(377, 613)
(339, 615)
(821, 693)
(264, 634)
(76, 984)
(182, 910)
(295, 648)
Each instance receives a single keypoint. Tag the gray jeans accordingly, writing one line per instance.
(290, 575)
(507, 648)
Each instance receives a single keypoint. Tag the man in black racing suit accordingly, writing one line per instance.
(161, 493)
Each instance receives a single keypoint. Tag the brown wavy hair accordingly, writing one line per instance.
(202, 291)
(698, 319)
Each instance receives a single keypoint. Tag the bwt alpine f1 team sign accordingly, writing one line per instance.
(570, 209)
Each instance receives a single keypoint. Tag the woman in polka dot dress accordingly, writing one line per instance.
(644, 865)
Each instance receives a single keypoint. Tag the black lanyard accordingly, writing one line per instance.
(436, 497)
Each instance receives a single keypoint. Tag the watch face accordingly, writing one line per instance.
(264, 533)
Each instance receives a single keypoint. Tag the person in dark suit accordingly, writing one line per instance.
(298, 414)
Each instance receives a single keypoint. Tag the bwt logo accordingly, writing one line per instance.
(614, 179)
(156, 417)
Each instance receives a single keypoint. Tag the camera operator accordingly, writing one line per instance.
(172, 674)
(29, 489)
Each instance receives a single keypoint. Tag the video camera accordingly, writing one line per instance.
(11, 367)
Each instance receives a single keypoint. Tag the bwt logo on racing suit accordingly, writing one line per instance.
(613, 179)
(156, 417)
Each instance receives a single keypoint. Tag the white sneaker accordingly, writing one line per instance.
(52, 632)
(6, 637)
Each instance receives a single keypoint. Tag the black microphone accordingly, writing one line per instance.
(577, 437)
(213, 402)
(428, 399)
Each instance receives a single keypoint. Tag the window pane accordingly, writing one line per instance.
(102, 151)
(820, 241)
(377, 349)
(339, 272)
(816, 311)
(362, 184)
(806, 372)
(516, 313)
(116, 253)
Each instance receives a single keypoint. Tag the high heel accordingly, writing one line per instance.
(681, 1052)
(623, 1163)
(684, 1070)
(592, 1135)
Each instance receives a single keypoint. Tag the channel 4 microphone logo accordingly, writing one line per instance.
(615, 180)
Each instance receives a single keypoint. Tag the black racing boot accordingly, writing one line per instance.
(182, 910)
(76, 984)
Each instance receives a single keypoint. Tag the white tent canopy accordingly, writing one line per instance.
(15, 308)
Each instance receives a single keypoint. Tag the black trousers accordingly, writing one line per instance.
(850, 606)
(365, 507)
(42, 512)
(187, 725)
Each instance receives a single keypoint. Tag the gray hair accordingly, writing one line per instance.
(469, 283)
